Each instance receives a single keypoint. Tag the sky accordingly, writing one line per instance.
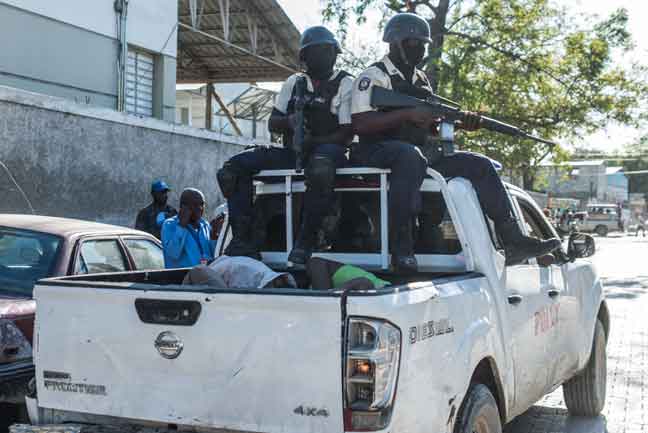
(306, 13)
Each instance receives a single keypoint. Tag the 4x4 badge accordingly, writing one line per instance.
(311, 411)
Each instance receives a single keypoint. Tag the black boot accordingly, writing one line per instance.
(402, 247)
(519, 247)
(303, 248)
(242, 243)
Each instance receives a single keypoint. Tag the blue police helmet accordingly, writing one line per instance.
(318, 35)
(406, 25)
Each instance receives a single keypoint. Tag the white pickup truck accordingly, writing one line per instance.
(464, 346)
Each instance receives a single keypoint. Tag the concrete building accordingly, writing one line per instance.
(72, 49)
(61, 140)
(617, 185)
(588, 181)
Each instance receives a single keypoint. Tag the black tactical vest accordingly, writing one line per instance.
(406, 132)
(317, 114)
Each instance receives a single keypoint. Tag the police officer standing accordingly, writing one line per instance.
(391, 140)
(327, 119)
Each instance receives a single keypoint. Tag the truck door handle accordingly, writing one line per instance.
(553, 293)
(168, 312)
(514, 299)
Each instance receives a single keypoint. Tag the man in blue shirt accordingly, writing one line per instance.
(185, 237)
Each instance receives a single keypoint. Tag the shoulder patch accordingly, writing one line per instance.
(364, 83)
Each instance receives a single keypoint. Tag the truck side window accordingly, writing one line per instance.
(535, 223)
(353, 225)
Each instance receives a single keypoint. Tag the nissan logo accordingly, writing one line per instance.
(168, 345)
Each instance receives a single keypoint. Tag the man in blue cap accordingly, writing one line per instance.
(151, 218)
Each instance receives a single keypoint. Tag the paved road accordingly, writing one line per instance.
(623, 263)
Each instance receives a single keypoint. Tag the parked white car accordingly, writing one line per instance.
(464, 346)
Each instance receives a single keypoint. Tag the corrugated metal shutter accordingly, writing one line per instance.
(139, 83)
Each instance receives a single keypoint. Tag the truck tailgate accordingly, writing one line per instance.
(265, 362)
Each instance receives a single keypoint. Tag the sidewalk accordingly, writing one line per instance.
(626, 409)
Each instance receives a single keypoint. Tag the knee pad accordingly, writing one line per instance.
(227, 180)
(320, 174)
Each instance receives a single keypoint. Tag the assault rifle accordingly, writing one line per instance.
(297, 143)
(385, 99)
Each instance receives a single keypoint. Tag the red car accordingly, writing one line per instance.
(34, 247)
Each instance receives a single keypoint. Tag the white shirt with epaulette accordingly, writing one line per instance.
(373, 76)
(340, 104)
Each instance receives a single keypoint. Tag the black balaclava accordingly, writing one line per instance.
(320, 60)
(406, 56)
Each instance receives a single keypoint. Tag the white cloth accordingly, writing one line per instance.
(373, 76)
(236, 273)
(340, 104)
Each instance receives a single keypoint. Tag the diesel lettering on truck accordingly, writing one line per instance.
(80, 388)
(430, 329)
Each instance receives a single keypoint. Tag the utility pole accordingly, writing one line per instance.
(121, 8)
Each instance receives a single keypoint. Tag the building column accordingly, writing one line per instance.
(164, 88)
(209, 106)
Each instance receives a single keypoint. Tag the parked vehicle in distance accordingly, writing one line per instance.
(602, 219)
(34, 247)
(465, 345)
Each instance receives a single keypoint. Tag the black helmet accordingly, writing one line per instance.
(318, 35)
(406, 26)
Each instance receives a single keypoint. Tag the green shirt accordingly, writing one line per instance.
(348, 272)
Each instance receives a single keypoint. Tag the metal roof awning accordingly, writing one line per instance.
(253, 103)
(235, 41)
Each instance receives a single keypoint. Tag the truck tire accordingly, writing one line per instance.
(601, 230)
(479, 412)
(585, 393)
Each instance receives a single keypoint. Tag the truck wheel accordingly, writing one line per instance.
(601, 230)
(585, 393)
(479, 412)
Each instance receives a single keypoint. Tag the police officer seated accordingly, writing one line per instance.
(396, 140)
(327, 120)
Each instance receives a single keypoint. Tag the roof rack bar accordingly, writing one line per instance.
(289, 216)
(434, 183)
(384, 223)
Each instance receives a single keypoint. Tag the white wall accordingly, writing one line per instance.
(150, 22)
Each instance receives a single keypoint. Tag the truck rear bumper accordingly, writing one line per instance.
(59, 421)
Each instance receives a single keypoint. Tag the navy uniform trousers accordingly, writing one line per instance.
(250, 162)
(408, 168)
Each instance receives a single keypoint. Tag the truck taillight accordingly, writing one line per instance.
(372, 362)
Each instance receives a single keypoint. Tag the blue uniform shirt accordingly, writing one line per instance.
(185, 246)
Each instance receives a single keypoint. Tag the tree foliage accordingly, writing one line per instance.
(525, 62)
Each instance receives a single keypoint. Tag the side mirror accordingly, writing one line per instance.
(580, 246)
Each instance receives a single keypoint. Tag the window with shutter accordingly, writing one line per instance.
(139, 83)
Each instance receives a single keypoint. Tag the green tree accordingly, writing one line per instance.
(525, 62)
